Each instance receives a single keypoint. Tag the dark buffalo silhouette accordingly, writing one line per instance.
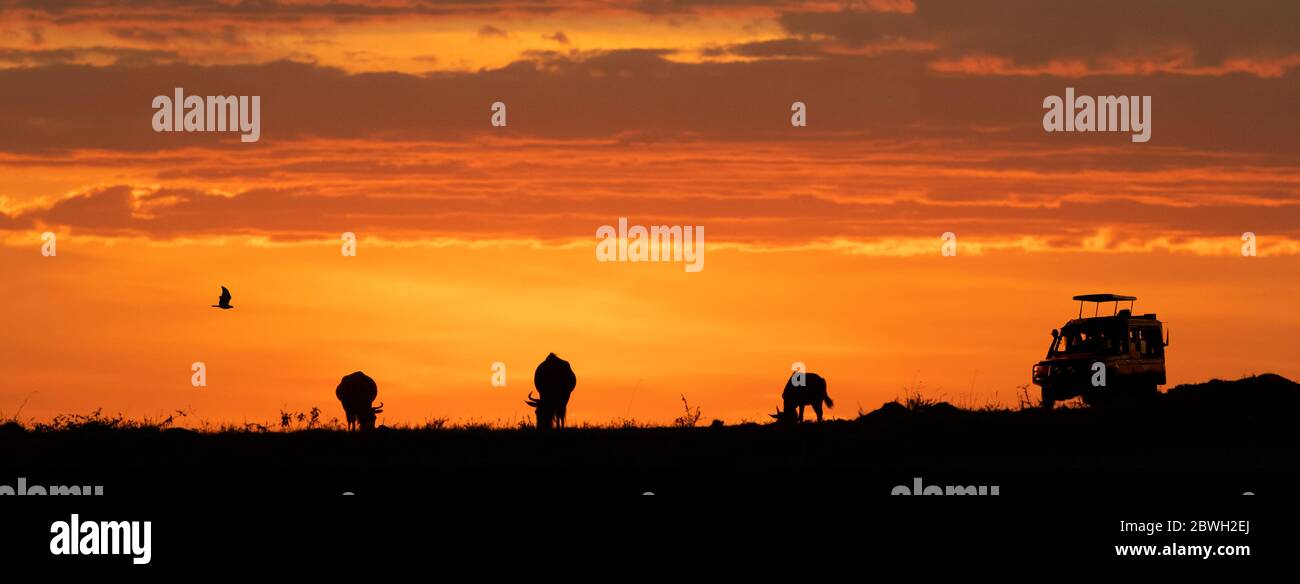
(357, 391)
(811, 393)
(554, 380)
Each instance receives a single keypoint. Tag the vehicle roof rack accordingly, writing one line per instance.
(1104, 298)
(1099, 298)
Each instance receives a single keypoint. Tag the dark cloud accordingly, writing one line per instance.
(488, 31)
(262, 11)
(959, 148)
(228, 35)
(605, 94)
(117, 55)
(778, 48)
(677, 7)
(66, 11)
(1033, 32)
(170, 213)
(557, 36)
(1108, 36)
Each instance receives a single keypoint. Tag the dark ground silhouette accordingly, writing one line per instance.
(1217, 437)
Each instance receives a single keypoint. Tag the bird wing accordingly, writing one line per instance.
(225, 295)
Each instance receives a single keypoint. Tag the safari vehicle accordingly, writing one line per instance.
(1128, 346)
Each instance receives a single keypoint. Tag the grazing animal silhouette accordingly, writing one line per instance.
(223, 302)
(811, 393)
(554, 380)
(357, 391)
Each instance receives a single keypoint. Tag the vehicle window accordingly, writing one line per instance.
(1153, 345)
(1137, 340)
(1090, 340)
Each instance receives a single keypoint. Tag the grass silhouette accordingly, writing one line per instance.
(1264, 395)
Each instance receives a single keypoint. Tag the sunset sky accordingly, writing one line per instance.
(477, 243)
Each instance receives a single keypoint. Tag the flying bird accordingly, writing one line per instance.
(224, 301)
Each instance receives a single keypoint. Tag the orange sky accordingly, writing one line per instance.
(477, 242)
